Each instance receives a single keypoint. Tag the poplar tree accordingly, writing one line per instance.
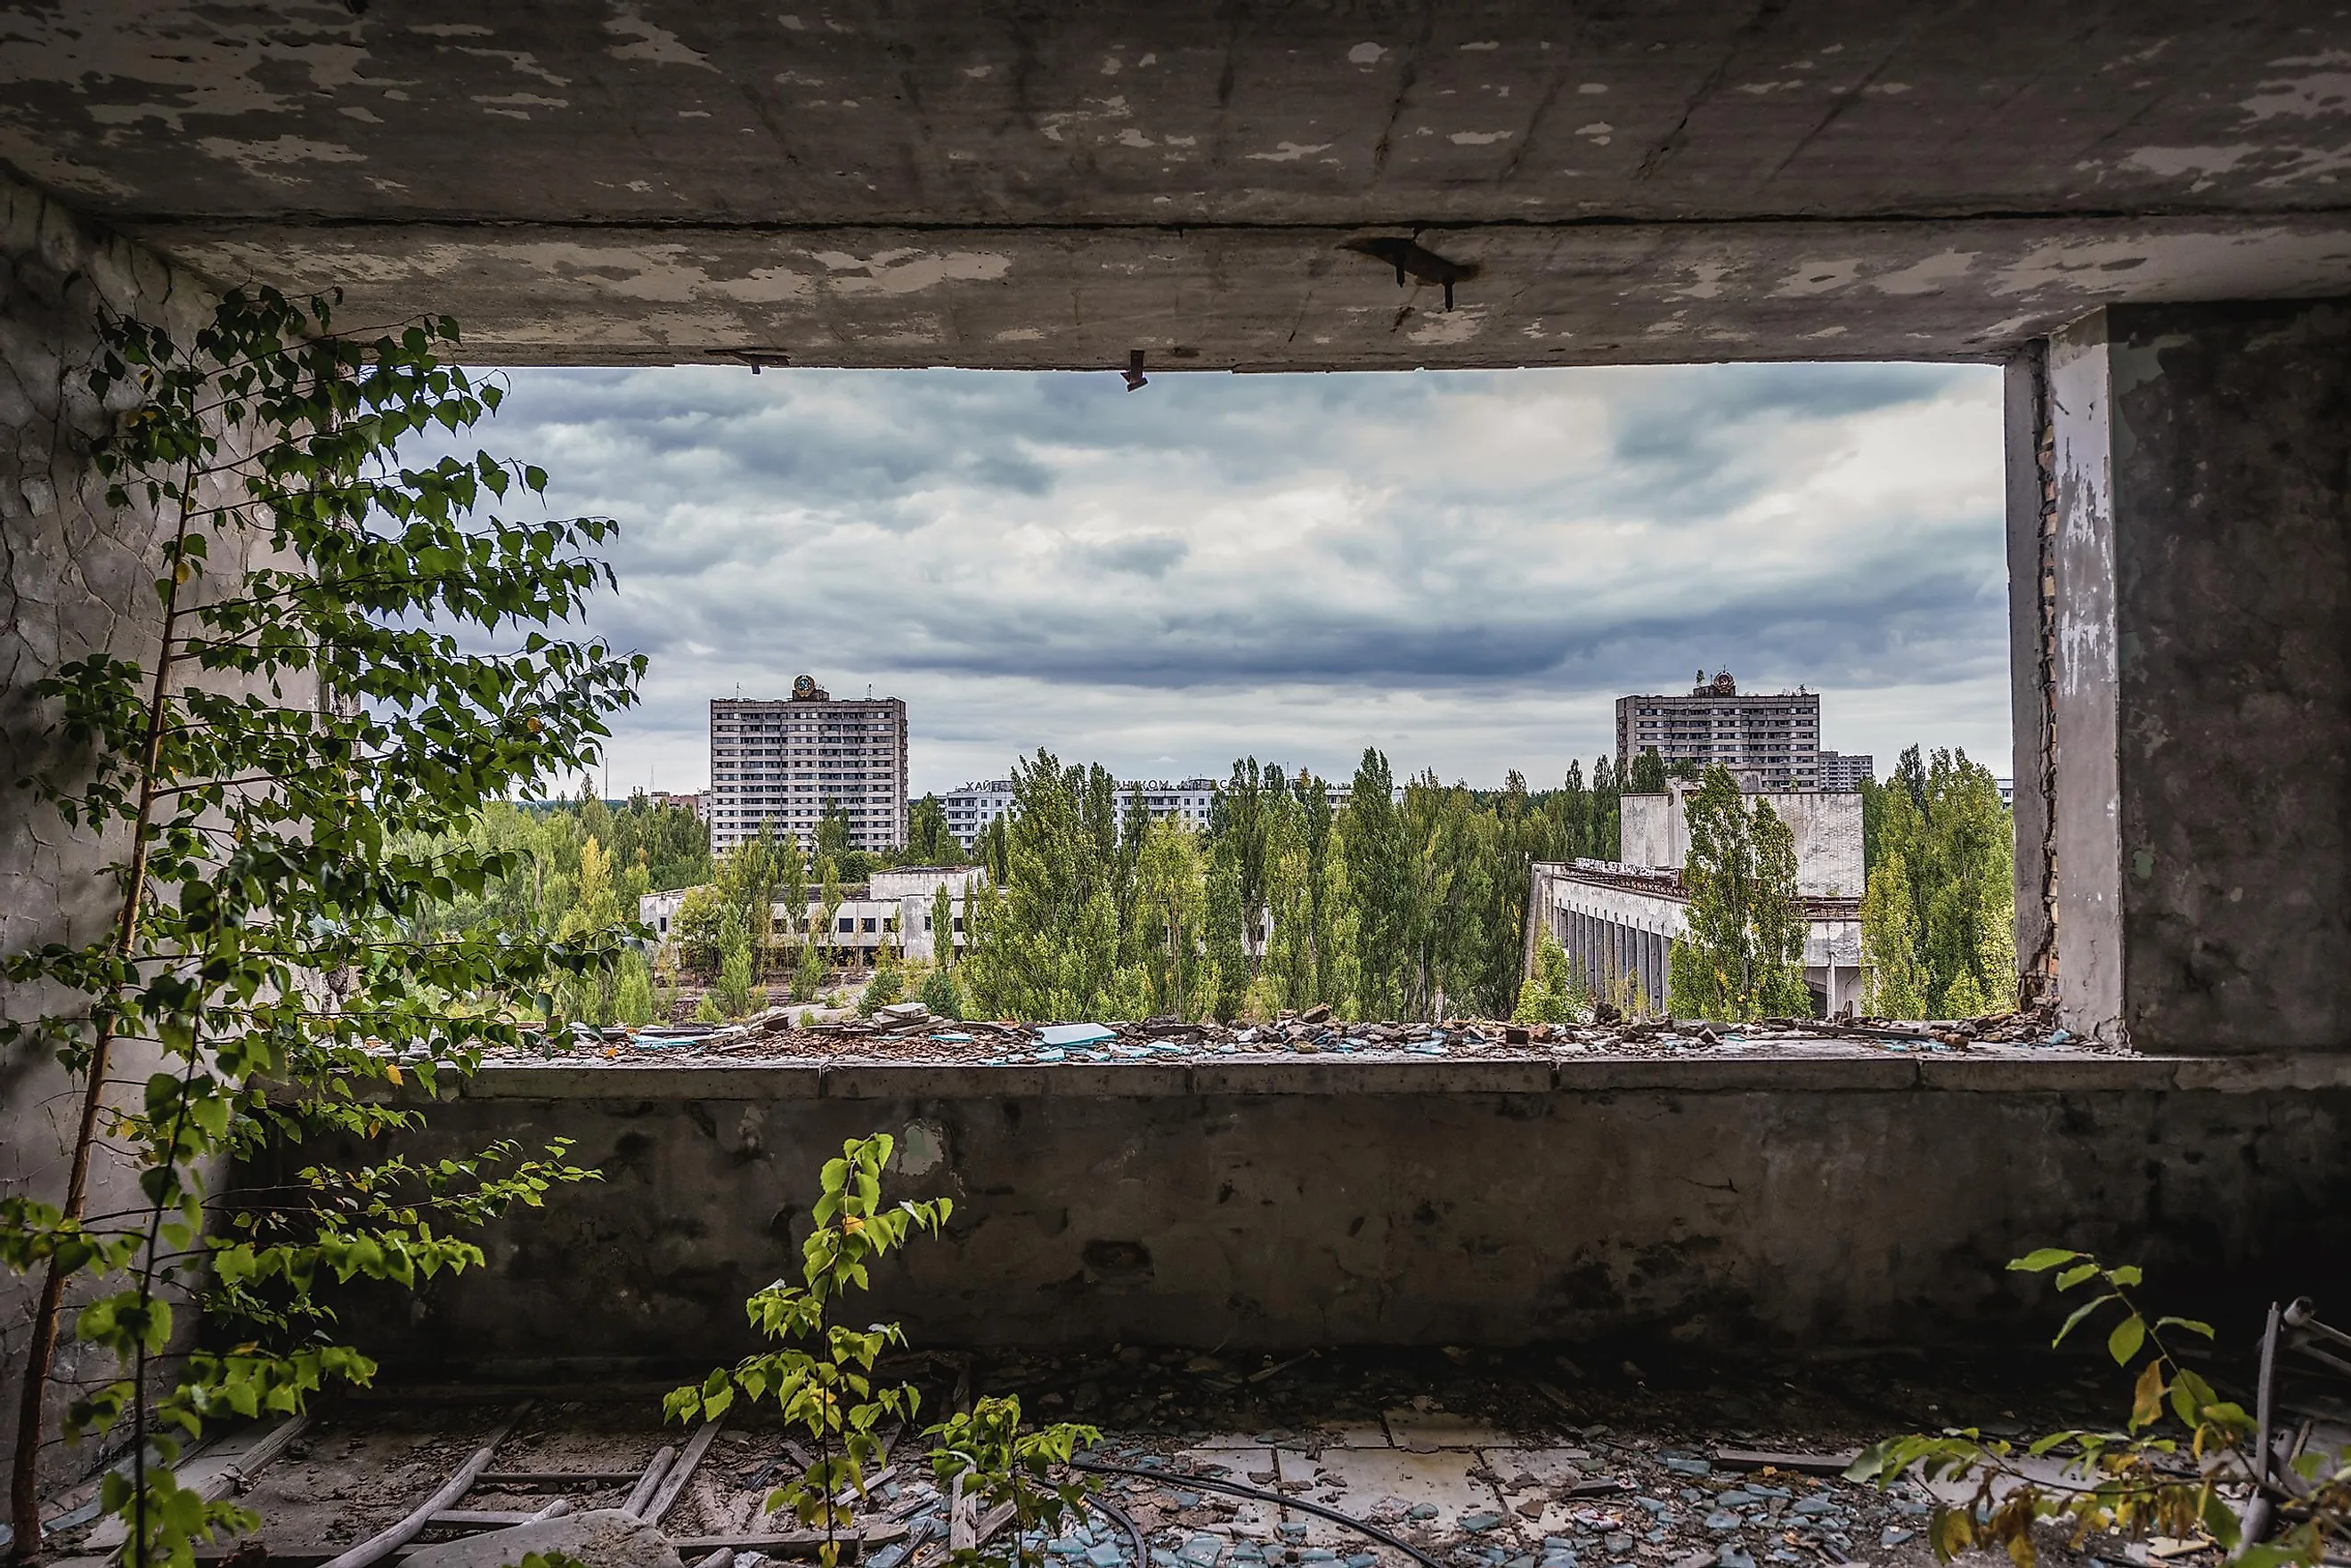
(1741, 952)
(1379, 884)
(1939, 921)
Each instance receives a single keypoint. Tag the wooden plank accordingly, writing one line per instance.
(211, 1472)
(795, 1542)
(650, 1482)
(1772, 1459)
(384, 1543)
(680, 1473)
(494, 1479)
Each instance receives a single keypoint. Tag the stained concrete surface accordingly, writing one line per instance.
(1474, 1203)
(2203, 585)
(939, 183)
(75, 576)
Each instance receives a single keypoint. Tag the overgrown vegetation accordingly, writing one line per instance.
(295, 774)
(821, 1375)
(578, 866)
(1380, 908)
(1742, 954)
(1938, 918)
(2184, 1463)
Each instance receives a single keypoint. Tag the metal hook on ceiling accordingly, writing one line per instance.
(1413, 260)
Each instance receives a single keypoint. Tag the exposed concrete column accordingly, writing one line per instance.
(2200, 679)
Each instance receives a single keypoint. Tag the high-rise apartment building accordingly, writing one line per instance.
(1775, 736)
(1844, 771)
(783, 763)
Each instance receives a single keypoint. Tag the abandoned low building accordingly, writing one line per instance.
(894, 910)
(1618, 919)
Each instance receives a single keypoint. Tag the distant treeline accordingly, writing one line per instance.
(1382, 909)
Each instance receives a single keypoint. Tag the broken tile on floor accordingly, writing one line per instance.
(1427, 1431)
(1357, 1435)
(1433, 1490)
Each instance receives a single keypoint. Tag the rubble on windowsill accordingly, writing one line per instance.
(910, 1032)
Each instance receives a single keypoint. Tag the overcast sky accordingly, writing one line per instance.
(1463, 569)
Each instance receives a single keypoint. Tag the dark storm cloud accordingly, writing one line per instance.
(1026, 555)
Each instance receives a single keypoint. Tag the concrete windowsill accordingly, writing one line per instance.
(1984, 1070)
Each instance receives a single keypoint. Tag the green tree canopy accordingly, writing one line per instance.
(1742, 951)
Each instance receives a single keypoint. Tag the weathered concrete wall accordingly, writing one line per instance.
(1867, 1198)
(2203, 674)
(1654, 831)
(941, 183)
(74, 579)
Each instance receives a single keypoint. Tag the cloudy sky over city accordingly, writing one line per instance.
(1464, 570)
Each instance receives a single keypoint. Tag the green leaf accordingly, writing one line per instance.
(2080, 1313)
(2128, 1335)
(2043, 1259)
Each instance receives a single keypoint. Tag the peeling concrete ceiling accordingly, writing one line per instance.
(973, 183)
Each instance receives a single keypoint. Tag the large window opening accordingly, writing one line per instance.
(887, 610)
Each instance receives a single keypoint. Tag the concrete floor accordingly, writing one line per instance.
(1481, 1459)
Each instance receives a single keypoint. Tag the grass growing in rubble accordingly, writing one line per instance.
(2185, 1463)
(822, 1376)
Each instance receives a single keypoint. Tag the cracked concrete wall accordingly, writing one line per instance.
(74, 579)
(2203, 678)
(1820, 1202)
(935, 182)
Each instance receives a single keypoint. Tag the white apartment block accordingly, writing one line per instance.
(1844, 771)
(1775, 736)
(783, 763)
(1190, 803)
(971, 809)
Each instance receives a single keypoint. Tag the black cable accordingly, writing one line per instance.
(1125, 1521)
(1235, 1488)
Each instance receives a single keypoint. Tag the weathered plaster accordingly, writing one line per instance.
(74, 579)
(663, 181)
(2203, 566)
(1725, 1203)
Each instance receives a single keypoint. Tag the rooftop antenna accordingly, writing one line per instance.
(869, 691)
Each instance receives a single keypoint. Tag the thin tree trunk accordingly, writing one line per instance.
(24, 1487)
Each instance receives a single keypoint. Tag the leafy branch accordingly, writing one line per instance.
(2185, 1463)
(305, 717)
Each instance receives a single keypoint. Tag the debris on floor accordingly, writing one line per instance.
(1330, 1459)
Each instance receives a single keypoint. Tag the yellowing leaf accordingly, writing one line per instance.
(2147, 1399)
